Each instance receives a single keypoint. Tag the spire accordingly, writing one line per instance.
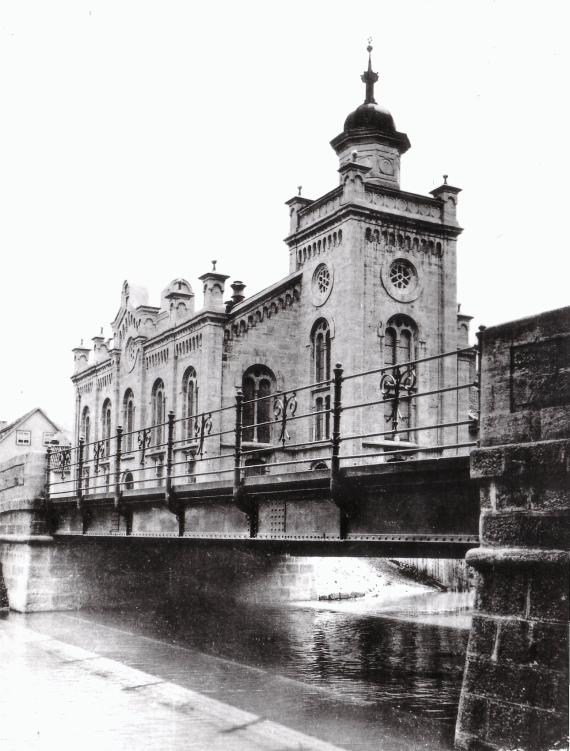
(369, 77)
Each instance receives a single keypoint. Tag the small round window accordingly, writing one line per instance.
(400, 280)
(401, 274)
(322, 283)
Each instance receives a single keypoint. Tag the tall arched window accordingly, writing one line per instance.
(106, 425)
(258, 385)
(189, 401)
(128, 418)
(85, 430)
(321, 350)
(321, 371)
(400, 343)
(158, 411)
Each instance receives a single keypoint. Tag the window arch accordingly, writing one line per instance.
(321, 350)
(128, 481)
(158, 411)
(321, 371)
(85, 430)
(128, 418)
(400, 346)
(106, 425)
(189, 401)
(258, 383)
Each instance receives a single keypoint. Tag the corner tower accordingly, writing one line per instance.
(379, 263)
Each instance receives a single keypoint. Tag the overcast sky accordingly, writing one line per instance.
(141, 140)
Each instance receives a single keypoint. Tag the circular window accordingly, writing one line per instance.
(401, 274)
(322, 283)
(400, 280)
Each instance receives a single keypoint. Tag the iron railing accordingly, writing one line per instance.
(396, 412)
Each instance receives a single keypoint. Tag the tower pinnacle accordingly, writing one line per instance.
(369, 77)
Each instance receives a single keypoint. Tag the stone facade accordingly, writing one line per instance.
(372, 269)
(515, 691)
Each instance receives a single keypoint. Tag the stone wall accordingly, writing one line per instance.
(515, 691)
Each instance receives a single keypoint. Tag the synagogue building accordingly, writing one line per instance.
(371, 283)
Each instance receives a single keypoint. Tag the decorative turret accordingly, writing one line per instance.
(447, 194)
(178, 298)
(214, 284)
(370, 130)
(80, 357)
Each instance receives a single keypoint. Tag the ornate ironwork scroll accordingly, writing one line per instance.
(144, 438)
(61, 460)
(284, 408)
(202, 429)
(397, 385)
(98, 454)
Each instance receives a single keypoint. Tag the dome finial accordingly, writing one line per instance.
(369, 77)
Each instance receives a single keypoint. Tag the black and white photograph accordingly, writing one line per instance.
(285, 420)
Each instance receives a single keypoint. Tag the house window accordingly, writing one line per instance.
(106, 422)
(128, 418)
(158, 412)
(23, 438)
(48, 438)
(257, 384)
(189, 402)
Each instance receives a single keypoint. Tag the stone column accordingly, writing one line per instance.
(515, 687)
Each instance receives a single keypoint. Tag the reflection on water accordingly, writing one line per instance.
(373, 659)
(358, 673)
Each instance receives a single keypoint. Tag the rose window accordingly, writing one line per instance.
(401, 274)
(322, 283)
(323, 279)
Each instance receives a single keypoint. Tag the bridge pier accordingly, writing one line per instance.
(515, 688)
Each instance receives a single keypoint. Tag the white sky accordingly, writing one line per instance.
(140, 140)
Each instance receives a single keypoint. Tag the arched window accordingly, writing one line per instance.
(321, 350)
(189, 401)
(85, 430)
(321, 371)
(258, 385)
(128, 481)
(106, 425)
(158, 411)
(400, 343)
(128, 418)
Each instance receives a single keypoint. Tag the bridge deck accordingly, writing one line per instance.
(421, 508)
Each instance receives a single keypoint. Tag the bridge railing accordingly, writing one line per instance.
(410, 409)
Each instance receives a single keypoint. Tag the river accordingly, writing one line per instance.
(356, 673)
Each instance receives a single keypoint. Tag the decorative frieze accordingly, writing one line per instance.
(160, 357)
(391, 239)
(314, 249)
(266, 309)
(188, 345)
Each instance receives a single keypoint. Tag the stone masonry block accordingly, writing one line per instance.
(527, 529)
(549, 595)
(502, 592)
(482, 636)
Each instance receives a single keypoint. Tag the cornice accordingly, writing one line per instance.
(366, 211)
(264, 295)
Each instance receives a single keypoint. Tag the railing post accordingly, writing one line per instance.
(337, 487)
(237, 450)
(337, 409)
(80, 450)
(117, 499)
(169, 450)
(48, 476)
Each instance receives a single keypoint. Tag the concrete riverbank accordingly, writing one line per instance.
(58, 696)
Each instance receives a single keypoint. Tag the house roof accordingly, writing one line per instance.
(8, 429)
